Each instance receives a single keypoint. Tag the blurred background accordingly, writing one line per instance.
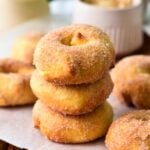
(58, 12)
(20, 16)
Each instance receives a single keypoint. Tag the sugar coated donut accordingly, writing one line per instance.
(72, 129)
(72, 99)
(131, 78)
(130, 132)
(15, 83)
(74, 54)
(25, 45)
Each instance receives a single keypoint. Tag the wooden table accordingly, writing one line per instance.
(6, 146)
(145, 49)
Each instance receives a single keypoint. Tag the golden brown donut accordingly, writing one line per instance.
(130, 132)
(71, 99)
(72, 129)
(15, 83)
(131, 78)
(25, 45)
(74, 54)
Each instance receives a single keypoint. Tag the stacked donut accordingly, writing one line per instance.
(72, 82)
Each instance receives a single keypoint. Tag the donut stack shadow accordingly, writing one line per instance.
(71, 108)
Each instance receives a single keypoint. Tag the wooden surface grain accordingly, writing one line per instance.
(6, 146)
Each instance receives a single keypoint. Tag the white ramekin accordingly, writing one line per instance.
(15, 12)
(124, 26)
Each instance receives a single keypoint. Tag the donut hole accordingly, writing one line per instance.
(21, 71)
(74, 39)
(8, 66)
(67, 40)
(8, 70)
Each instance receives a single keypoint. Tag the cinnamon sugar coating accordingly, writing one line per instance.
(72, 129)
(74, 54)
(15, 83)
(130, 132)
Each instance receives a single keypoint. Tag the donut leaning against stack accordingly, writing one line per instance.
(15, 83)
(72, 82)
(133, 85)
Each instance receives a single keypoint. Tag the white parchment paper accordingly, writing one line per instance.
(16, 127)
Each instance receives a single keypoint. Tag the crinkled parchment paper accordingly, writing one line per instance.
(16, 127)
